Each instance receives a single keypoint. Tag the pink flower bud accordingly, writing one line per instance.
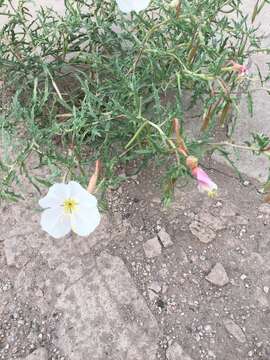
(242, 70)
(192, 162)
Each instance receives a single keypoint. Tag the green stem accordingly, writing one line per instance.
(136, 134)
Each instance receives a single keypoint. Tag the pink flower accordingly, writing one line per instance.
(205, 184)
(242, 70)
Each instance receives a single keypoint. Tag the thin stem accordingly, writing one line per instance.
(136, 135)
(242, 147)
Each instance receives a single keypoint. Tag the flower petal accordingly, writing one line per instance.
(55, 222)
(203, 178)
(85, 220)
(205, 184)
(132, 5)
(56, 196)
(83, 197)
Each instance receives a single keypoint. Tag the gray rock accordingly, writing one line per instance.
(105, 317)
(165, 238)
(152, 248)
(39, 354)
(218, 275)
(234, 330)
(202, 232)
(176, 352)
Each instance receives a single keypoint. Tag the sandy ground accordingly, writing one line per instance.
(188, 282)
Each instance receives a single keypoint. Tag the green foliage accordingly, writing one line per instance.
(97, 84)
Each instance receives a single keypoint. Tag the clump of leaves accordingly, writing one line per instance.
(95, 83)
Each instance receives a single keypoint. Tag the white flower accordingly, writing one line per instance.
(174, 3)
(132, 5)
(69, 207)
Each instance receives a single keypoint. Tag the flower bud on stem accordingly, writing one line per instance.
(179, 140)
(93, 180)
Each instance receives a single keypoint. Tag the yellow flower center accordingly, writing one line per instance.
(212, 193)
(70, 206)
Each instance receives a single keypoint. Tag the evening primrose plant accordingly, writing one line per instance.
(105, 81)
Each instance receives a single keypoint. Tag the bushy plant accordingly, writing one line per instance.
(95, 83)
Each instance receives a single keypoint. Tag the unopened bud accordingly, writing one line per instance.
(94, 178)
(192, 162)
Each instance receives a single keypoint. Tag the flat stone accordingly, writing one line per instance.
(105, 317)
(202, 232)
(152, 248)
(218, 275)
(176, 352)
(22, 241)
(165, 238)
(234, 330)
(39, 354)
